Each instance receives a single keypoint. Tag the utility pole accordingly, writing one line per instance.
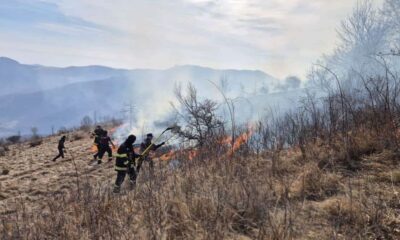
(128, 108)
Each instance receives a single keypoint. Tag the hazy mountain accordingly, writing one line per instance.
(64, 106)
(22, 78)
(46, 97)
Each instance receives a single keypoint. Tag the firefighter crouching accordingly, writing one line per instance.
(125, 163)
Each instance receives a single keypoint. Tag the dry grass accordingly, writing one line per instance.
(76, 136)
(318, 185)
(230, 198)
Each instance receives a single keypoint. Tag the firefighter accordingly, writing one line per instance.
(61, 148)
(98, 132)
(104, 146)
(125, 163)
(143, 146)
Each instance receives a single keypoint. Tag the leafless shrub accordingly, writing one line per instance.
(77, 136)
(343, 212)
(86, 123)
(318, 185)
(35, 142)
(3, 150)
(14, 139)
(62, 130)
(202, 125)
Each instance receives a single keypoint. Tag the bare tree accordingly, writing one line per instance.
(199, 117)
(86, 123)
(391, 10)
(34, 131)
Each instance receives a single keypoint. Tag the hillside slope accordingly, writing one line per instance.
(33, 176)
(277, 195)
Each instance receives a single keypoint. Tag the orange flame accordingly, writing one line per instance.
(115, 147)
(227, 140)
(93, 148)
(168, 156)
(192, 154)
(239, 141)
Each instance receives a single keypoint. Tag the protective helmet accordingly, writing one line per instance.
(131, 139)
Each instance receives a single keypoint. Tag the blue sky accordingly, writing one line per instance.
(280, 37)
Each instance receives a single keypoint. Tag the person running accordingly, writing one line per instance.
(125, 163)
(97, 133)
(61, 148)
(152, 147)
(104, 146)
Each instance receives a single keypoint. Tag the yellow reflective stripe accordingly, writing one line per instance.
(121, 155)
(121, 168)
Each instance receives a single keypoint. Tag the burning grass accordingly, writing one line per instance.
(211, 194)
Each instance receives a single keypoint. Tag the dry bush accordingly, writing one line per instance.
(369, 213)
(77, 136)
(318, 185)
(5, 172)
(86, 124)
(346, 156)
(387, 157)
(62, 131)
(3, 147)
(14, 139)
(35, 142)
(344, 212)
(391, 177)
(2, 151)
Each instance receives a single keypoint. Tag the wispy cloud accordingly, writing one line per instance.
(279, 37)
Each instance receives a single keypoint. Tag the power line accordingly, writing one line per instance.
(128, 108)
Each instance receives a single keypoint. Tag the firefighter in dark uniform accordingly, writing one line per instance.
(61, 148)
(98, 132)
(143, 146)
(125, 163)
(104, 146)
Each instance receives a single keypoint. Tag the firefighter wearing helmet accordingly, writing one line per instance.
(125, 163)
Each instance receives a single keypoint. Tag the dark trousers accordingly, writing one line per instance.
(60, 154)
(103, 150)
(98, 151)
(121, 176)
(145, 159)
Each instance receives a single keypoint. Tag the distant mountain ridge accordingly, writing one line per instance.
(46, 97)
(23, 78)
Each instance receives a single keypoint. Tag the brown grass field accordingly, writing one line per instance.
(279, 195)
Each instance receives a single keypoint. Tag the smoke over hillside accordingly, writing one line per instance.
(52, 98)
